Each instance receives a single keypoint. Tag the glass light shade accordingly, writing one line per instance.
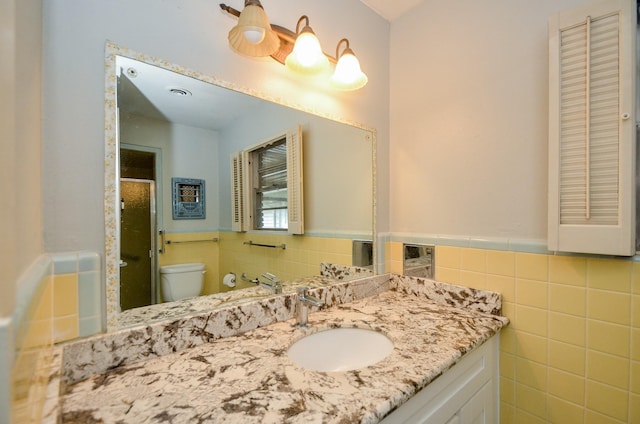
(348, 75)
(252, 36)
(307, 56)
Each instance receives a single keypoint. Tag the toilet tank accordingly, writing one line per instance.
(181, 281)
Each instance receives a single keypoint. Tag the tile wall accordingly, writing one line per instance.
(58, 299)
(301, 258)
(572, 351)
(191, 249)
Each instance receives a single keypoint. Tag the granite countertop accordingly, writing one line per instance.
(162, 311)
(248, 378)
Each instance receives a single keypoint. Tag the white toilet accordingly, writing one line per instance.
(181, 281)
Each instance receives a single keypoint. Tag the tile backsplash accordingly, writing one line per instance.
(572, 351)
(58, 300)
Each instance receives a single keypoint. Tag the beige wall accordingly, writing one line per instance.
(20, 120)
(193, 34)
(469, 118)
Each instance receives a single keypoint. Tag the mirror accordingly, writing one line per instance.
(165, 122)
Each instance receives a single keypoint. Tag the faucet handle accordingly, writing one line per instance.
(269, 276)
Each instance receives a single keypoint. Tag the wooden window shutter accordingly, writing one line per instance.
(592, 129)
(239, 215)
(295, 193)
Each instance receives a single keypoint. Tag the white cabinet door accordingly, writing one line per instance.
(477, 409)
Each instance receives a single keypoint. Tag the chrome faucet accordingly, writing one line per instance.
(302, 305)
(275, 285)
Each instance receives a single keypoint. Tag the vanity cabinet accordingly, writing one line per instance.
(466, 393)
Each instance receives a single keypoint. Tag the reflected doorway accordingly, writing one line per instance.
(138, 223)
(137, 249)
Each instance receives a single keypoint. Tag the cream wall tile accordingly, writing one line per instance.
(532, 267)
(65, 328)
(39, 334)
(65, 295)
(569, 387)
(609, 306)
(523, 417)
(568, 270)
(609, 274)
(448, 256)
(507, 340)
(609, 338)
(567, 357)
(607, 400)
(474, 260)
(501, 263)
(396, 251)
(506, 286)
(532, 374)
(532, 320)
(448, 275)
(567, 328)
(568, 299)
(507, 366)
(592, 417)
(532, 293)
(532, 347)
(395, 267)
(475, 280)
(507, 391)
(507, 413)
(530, 400)
(635, 277)
(635, 344)
(608, 369)
(509, 310)
(562, 412)
(635, 377)
(44, 310)
(635, 311)
(634, 408)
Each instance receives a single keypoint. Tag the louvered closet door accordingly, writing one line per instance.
(592, 137)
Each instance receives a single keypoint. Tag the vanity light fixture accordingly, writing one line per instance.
(348, 75)
(253, 36)
(299, 51)
(307, 56)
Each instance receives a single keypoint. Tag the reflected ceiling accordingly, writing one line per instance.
(157, 93)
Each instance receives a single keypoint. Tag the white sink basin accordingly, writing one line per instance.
(340, 349)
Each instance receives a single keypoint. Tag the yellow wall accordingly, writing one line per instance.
(301, 258)
(206, 252)
(572, 351)
(51, 317)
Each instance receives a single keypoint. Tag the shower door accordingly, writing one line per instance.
(137, 243)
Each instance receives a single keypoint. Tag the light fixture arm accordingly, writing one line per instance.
(230, 10)
(347, 49)
(304, 18)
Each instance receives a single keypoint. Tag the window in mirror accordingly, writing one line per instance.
(267, 185)
(269, 165)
